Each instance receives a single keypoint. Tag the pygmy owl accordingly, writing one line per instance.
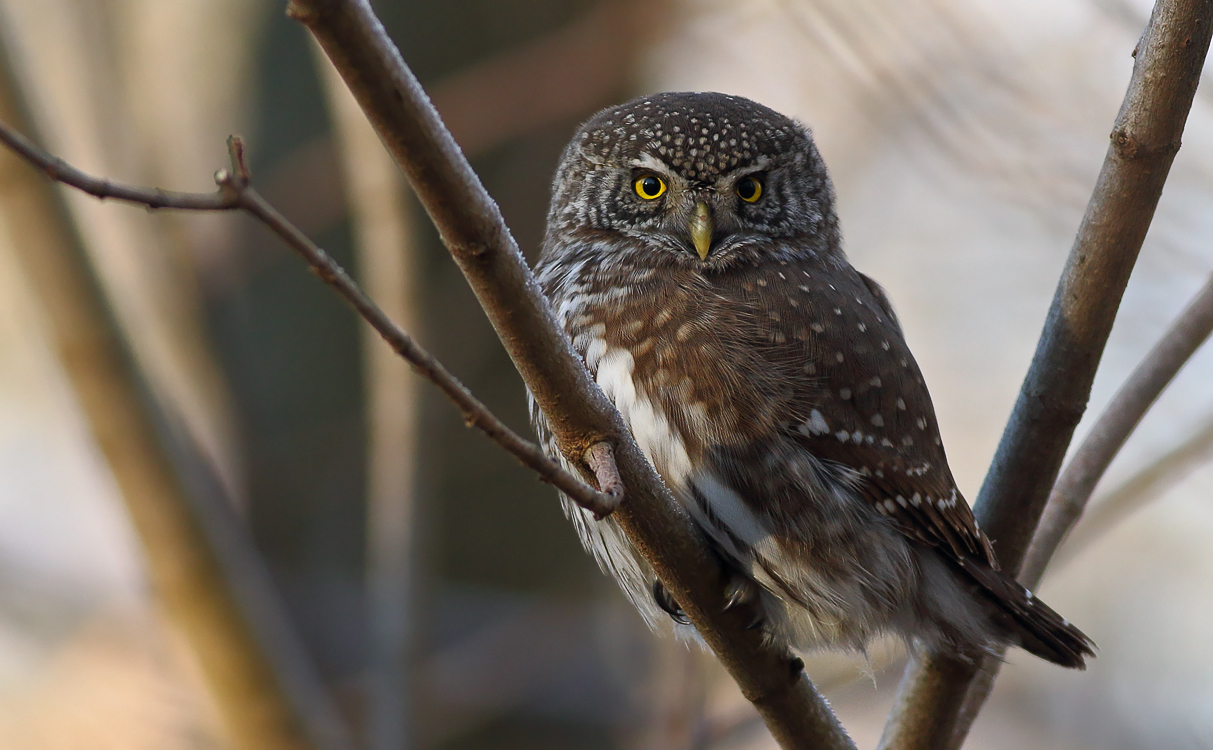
(693, 255)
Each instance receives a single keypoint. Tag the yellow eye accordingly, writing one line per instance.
(749, 189)
(650, 187)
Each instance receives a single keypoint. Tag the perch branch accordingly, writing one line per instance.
(1145, 139)
(236, 193)
(579, 414)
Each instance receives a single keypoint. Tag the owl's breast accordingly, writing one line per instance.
(671, 353)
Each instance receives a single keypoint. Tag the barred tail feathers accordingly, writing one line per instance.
(1032, 624)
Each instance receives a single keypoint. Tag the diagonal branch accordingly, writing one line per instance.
(234, 193)
(1146, 485)
(1128, 406)
(475, 413)
(579, 414)
(1054, 395)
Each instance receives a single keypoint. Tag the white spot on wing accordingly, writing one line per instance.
(817, 423)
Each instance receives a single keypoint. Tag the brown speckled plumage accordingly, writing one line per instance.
(770, 384)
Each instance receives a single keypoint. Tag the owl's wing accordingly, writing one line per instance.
(923, 501)
(882, 300)
(861, 402)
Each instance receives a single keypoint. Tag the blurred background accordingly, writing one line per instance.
(444, 601)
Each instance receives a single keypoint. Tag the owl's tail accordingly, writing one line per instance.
(1031, 623)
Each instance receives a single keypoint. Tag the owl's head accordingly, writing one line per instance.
(702, 179)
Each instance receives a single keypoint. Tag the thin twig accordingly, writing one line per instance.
(1124, 412)
(1145, 139)
(60, 171)
(576, 409)
(234, 193)
(1146, 485)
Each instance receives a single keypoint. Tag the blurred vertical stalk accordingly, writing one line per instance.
(677, 698)
(84, 99)
(201, 564)
(181, 77)
(386, 266)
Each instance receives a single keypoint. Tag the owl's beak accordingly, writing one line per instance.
(701, 230)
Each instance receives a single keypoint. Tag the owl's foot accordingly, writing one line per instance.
(667, 603)
(740, 593)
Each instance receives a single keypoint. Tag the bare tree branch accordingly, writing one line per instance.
(579, 414)
(234, 193)
(1145, 139)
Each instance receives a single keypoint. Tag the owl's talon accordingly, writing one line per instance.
(667, 603)
(742, 592)
(738, 592)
